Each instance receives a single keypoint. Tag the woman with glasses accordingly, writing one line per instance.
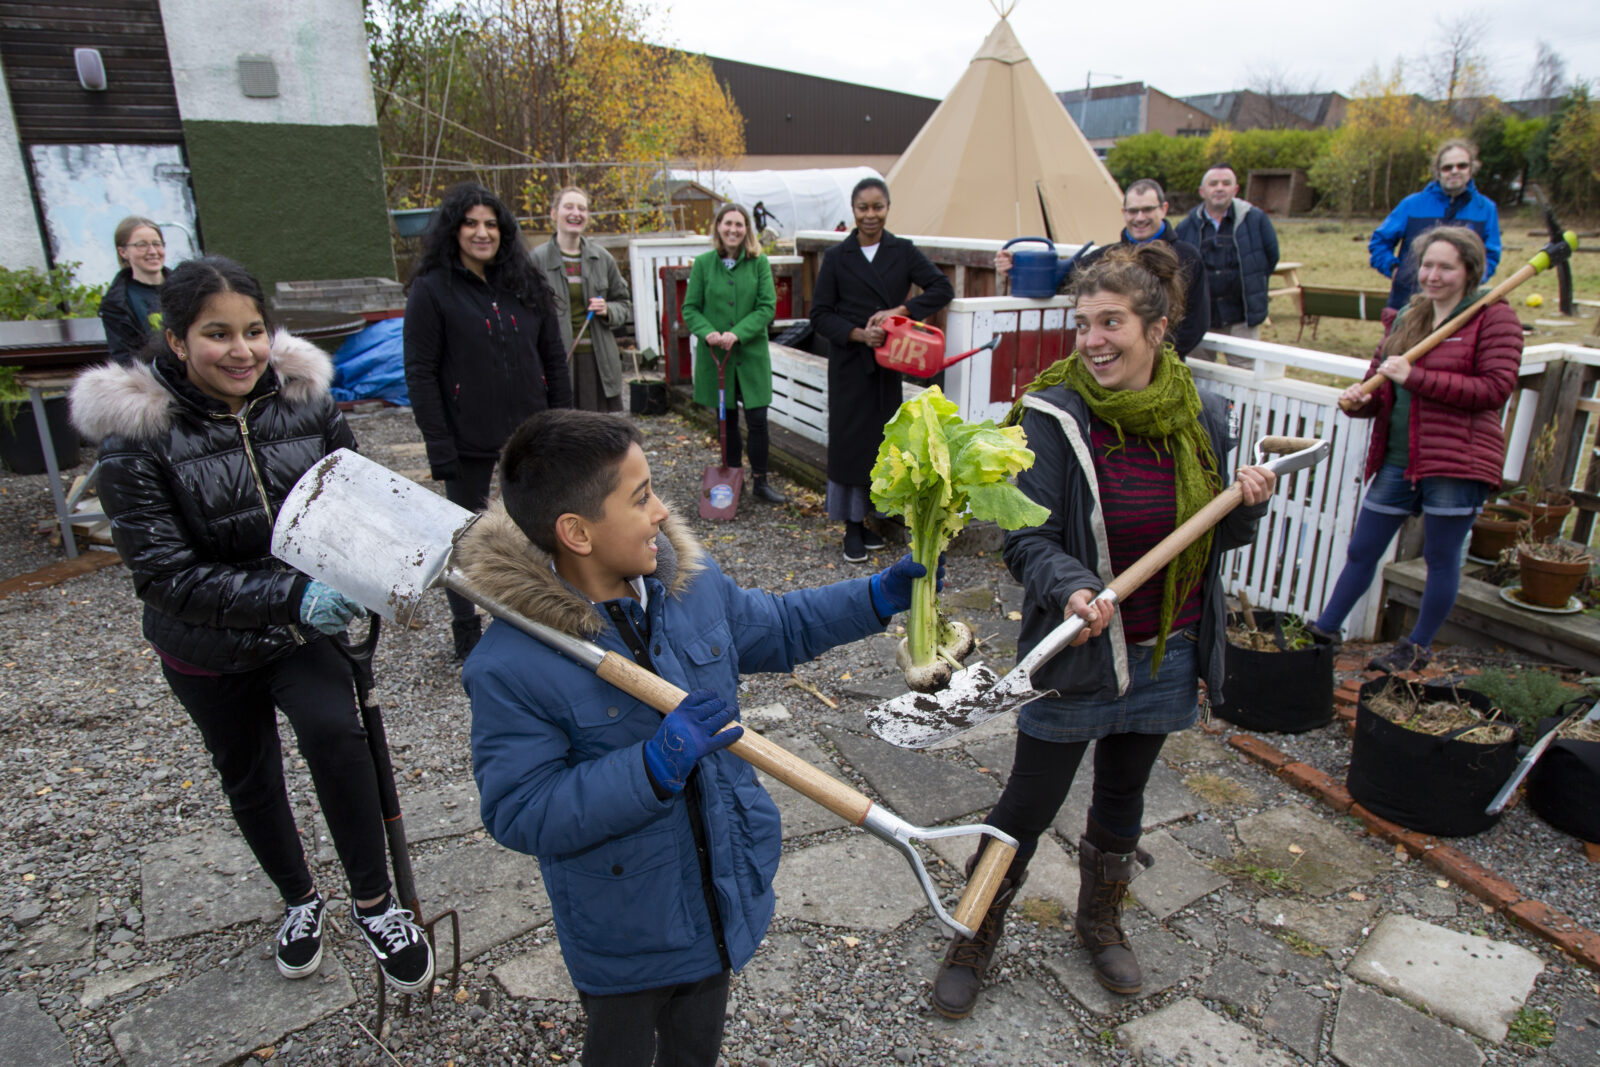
(135, 293)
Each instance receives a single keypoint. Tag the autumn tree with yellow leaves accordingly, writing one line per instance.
(536, 94)
(1384, 150)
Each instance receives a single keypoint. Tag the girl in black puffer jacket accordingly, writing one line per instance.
(199, 445)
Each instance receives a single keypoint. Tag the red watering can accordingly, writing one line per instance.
(917, 349)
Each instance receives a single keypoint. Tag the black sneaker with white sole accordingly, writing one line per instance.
(300, 938)
(399, 943)
(871, 540)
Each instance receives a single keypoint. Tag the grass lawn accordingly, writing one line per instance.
(1335, 253)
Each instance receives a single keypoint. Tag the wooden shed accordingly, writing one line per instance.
(1279, 192)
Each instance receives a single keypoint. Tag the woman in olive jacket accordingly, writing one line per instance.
(482, 353)
(587, 282)
(728, 306)
(863, 280)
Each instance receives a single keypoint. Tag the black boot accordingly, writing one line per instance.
(765, 492)
(466, 633)
(966, 961)
(1106, 864)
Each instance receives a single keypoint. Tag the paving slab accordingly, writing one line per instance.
(857, 882)
(447, 812)
(1578, 1033)
(1474, 982)
(1243, 983)
(1430, 901)
(1207, 838)
(1191, 746)
(540, 974)
(1052, 873)
(770, 973)
(1016, 1022)
(994, 755)
(1330, 860)
(1185, 1031)
(203, 881)
(30, 1037)
(766, 717)
(65, 942)
(800, 814)
(228, 1012)
(99, 988)
(497, 892)
(921, 789)
(1338, 924)
(868, 690)
(1295, 1018)
(1373, 1031)
(1165, 799)
(1274, 954)
(1165, 960)
(1175, 881)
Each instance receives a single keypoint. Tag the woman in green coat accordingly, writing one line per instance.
(729, 304)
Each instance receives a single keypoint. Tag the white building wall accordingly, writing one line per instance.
(318, 46)
(20, 245)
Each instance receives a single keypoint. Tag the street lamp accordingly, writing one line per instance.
(1083, 112)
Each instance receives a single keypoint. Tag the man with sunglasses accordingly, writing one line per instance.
(1144, 210)
(1450, 198)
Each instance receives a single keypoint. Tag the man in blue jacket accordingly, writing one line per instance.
(1240, 250)
(1450, 198)
(657, 848)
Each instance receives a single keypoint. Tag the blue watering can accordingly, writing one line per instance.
(1036, 274)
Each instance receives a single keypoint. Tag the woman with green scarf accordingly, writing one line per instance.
(1126, 449)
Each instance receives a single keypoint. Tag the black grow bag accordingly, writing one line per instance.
(1564, 786)
(1433, 785)
(1280, 692)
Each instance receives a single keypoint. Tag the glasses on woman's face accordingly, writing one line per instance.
(145, 246)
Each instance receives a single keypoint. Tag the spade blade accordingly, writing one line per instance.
(975, 695)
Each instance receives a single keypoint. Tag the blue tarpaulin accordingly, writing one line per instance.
(371, 365)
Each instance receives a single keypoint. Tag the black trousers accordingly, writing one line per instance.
(470, 491)
(760, 439)
(674, 1026)
(1042, 773)
(316, 693)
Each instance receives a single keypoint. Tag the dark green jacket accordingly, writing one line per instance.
(743, 301)
(602, 278)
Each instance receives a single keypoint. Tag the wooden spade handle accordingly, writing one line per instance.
(984, 883)
(849, 804)
(1428, 343)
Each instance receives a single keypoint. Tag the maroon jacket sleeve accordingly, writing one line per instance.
(1497, 358)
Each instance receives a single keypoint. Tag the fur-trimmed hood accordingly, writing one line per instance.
(499, 560)
(133, 401)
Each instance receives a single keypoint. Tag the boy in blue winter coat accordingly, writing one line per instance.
(657, 848)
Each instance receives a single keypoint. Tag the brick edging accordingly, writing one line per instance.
(1561, 930)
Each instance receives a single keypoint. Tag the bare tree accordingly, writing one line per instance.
(1455, 67)
(1280, 91)
(1548, 75)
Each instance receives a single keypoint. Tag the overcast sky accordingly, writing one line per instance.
(922, 47)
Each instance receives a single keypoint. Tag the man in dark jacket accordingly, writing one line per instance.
(1450, 199)
(1240, 249)
(1144, 209)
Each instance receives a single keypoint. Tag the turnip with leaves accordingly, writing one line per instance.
(935, 471)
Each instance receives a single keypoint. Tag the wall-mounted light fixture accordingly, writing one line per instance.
(258, 76)
(91, 69)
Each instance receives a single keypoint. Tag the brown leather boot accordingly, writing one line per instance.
(966, 961)
(1106, 864)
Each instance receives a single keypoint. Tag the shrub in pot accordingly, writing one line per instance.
(1279, 674)
(1551, 571)
(1497, 528)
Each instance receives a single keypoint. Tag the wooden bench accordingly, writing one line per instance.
(1339, 302)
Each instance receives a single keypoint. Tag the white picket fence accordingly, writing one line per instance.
(646, 257)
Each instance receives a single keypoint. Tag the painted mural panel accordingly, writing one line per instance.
(86, 189)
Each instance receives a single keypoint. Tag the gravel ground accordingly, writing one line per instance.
(97, 762)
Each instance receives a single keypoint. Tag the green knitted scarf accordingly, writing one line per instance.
(1168, 411)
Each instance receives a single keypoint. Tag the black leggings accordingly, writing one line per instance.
(1042, 774)
(470, 491)
(756, 418)
(316, 693)
(673, 1026)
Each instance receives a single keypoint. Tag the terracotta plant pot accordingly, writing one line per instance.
(1547, 583)
(1549, 513)
(1498, 528)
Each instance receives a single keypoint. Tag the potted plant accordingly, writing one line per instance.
(1564, 786)
(1548, 505)
(646, 396)
(1551, 571)
(35, 294)
(1279, 675)
(1497, 528)
(412, 221)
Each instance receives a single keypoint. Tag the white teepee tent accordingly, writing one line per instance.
(1001, 158)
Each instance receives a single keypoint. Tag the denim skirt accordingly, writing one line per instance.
(1163, 704)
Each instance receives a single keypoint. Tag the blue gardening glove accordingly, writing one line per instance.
(327, 609)
(688, 735)
(891, 588)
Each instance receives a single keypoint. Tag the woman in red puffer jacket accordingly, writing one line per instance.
(1437, 446)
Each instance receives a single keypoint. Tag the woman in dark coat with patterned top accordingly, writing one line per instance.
(864, 279)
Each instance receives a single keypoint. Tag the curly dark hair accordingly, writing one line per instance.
(511, 269)
(1149, 276)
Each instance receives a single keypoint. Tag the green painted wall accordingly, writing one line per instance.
(291, 202)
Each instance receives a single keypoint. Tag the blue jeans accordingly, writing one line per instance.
(1391, 494)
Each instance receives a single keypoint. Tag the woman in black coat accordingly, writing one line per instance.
(135, 292)
(482, 352)
(864, 279)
